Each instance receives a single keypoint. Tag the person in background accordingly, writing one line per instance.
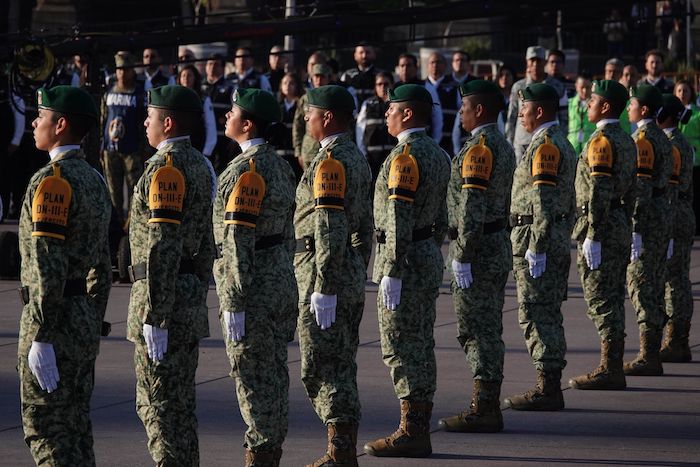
(504, 80)
(460, 67)
(153, 74)
(691, 130)
(306, 147)
(580, 128)
(246, 76)
(361, 77)
(654, 66)
(371, 133)
(205, 139)
(630, 75)
(219, 90)
(613, 69)
(278, 60)
(290, 92)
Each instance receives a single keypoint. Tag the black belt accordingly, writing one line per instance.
(489, 228)
(684, 196)
(261, 243)
(138, 271)
(658, 192)
(582, 211)
(417, 235)
(72, 288)
(518, 220)
(308, 244)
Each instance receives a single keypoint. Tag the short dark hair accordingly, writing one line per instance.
(493, 104)
(409, 57)
(463, 52)
(384, 74)
(187, 122)
(656, 52)
(557, 53)
(78, 125)
(422, 111)
(219, 58)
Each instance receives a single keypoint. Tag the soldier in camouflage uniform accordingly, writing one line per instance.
(66, 277)
(478, 197)
(542, 214)
(254, 232)
(650, 229)
(604, 197)
(172, 252)
(411, 220)
(679, 297)
(333, 229)
(305, 146)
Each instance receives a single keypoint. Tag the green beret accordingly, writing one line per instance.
(257, 102)
(67, 100)
(331, 97)
(410, 92)
(647, 95)
(672, 105)
(610, 90)
(174, 97)
(478, 86)
(539, 92)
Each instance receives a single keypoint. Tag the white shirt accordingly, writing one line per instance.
(480, 127)
(643, 122)
(606, 121)
(404, 134)
(543, 127)
(61, 149)
(668, 131)
(329, 139)
(172, 140)
(245, 145)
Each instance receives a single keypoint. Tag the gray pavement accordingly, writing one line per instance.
(656, 421)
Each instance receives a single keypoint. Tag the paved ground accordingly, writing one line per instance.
(656, 421)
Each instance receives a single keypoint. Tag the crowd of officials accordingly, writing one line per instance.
(280, 188)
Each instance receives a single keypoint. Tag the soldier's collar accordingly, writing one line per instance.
(406, 133)
(55, 152)
(544, 127)
(668, 131)
(481, 127)
(606, 121)
(329, 139)
(172, 140)
(245, 145)
(644, 122)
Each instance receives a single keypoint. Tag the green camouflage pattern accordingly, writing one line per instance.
(169, 300)
(407, 333)
(305, 147)
(650, 218)
(117, 168)
(604, 288)
(479, 308)
(678, 295)
(245, 280)
(57, 426)
(338, 266)
(539, 300)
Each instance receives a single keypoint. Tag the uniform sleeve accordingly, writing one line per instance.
(99, 280)
(298, 128)
(643, 188)
(360, 126)
(512, 118)
(48, 266)
(362, 240)
(164, 251)
(544, 200)
(601, 194)
(399, 227)
(469, 218)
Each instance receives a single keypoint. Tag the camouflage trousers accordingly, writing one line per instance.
(479, 311)
(645, 281)
(57, 426)
(604, 288)
(117, 167)
(408, 346)
(679, 296)
(165, 403)
(328, 366)
(259, 369)
(539, 310)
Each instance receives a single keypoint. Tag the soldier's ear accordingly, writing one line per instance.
(407, 114)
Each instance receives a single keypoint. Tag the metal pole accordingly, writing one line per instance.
(290, 10)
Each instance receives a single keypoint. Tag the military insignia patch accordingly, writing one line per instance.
(676, 174)
(50, 206)
(645, 157)
(477, 166)
(545, 163)
(166, 194)
(600, 156)
(245, 201)
(403, 176)
(329, 184)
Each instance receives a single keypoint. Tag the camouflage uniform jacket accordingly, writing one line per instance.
(398, 217)
(79, 252)
(473, 206)
(515, 132)
(543, 187)
(597, 189)
(343, 237)
(684, 221)
(653, 175)
(166, 298)
(304, 145)
(240, 262)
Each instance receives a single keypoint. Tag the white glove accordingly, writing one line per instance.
(323, 306)
(537, 263)
(591, 251)
(156, 341)
(42, 363)
(669, 250)
(235, 325)
(636, 251)
(390, 288)
(463, 274)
